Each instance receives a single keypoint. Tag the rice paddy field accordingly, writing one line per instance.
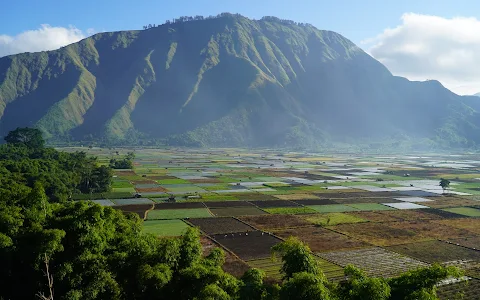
(384, 214)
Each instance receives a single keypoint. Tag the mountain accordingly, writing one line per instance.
(225, 81)
(477, 95)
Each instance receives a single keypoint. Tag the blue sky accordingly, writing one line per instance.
(417, 39)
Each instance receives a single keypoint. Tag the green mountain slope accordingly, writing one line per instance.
(225, 81)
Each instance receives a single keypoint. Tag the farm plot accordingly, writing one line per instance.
(446, 202)
(379, 234)
(121, 184)
(232, 265)
(431, 230)
(130, 190)
(460, 290)
(236, 211)
(439, 214)
(271, 222)
(332, 208)
(413, 199)
(247, 246)
(405, 205)
(272, 268)
(472, 270)
(103, 202)
(132, 201)
(255, 196)
(321, 239)
(332, 219)
(157, 189)
(165, 227)
(145, 185)
(139, 209)
(416, 193)
(370, 206)
(290, 210)
(316, 202)
(274, 203)
(375, 261)
(297, 197)
(219, 204)
(216, 198)
(373, 216)
(276, 184)
(171, 180)
(357, 194)
(220, 225)
(436, 251)
(469, 224)
(179, 205)
(466, 211)
(183, 188)
(366, 200)
(469, 242)
(411, 215)
(166, 214)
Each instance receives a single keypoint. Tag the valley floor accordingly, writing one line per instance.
(383, 214)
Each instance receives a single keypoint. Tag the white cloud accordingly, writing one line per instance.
(44, 38)
(431, 47)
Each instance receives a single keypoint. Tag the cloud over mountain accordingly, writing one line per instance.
(42, 39)
(432, 47)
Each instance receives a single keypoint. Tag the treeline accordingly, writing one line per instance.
(24, 161)
(184, 19)
(124, 163)
(52, 248)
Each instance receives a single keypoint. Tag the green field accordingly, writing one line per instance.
(124, 190)
(121, 184)
(290, 210)
(332, 208)
(173, 181)
(166, 214)
(370, 206)
(466, 211)
(165, 227)
(217, 197)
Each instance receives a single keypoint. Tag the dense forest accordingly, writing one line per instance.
(54, 248)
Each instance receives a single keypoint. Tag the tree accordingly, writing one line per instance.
(252, 285)
(30, 137)
(305, 286)
(361, 287)
(296, 257)
(421, 283)
(125, 163)
(190, 248)
(444, 183)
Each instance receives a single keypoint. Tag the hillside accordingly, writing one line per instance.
(225, 81)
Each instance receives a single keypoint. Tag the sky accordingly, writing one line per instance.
(417, 39)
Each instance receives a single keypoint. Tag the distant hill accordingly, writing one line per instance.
(225, 81)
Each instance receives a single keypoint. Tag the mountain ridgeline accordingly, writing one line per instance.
(226, 81)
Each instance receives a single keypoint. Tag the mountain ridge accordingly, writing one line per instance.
(222, 81)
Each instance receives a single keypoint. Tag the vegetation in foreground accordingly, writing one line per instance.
(51, 246)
